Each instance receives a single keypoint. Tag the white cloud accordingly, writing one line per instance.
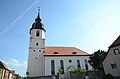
(15, 63)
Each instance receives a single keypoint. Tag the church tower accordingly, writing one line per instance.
(36, 49)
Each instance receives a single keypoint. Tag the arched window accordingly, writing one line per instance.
(62, 66)
(52, 67)
(86, 65)
(85, 61)
(37, 33)
(78, 63)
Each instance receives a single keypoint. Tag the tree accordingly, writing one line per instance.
(96, 59)
(17, 76)
(60, 71)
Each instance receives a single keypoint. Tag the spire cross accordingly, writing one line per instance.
(39, 13)
(38, 9)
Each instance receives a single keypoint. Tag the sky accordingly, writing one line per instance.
(86, 24)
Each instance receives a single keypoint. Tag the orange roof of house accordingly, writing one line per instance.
(3, 65)
(63, 51)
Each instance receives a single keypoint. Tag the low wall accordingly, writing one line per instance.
(43, 77)
(86, 75)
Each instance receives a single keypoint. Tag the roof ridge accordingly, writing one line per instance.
(61, 46)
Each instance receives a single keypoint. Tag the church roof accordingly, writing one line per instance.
(116, 42)
(64, 51)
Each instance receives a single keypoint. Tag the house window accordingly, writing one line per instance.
(36, 44)
(70, 61)
(62, 66)
(113, 66)
(37, 33)
(116, 51)
(78, 63)
(52, 67)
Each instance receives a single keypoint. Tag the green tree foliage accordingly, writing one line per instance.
(96, 59)
(18, 76)
(60, 71)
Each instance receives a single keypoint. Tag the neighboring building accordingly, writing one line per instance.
(46, 60)
(5, 73)
(3, 68)
(111, 63)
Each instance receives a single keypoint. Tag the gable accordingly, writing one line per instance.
(116, 42)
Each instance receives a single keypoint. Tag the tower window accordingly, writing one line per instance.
(36, 44)
(34, 50)
(39, 50)
(37, 33)
(36, 58)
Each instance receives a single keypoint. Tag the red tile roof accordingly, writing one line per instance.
(116, 42)
(63, 51)
(3, 65)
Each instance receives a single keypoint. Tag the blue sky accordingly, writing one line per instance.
(86, 24)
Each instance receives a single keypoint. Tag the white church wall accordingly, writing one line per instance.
(67, 64)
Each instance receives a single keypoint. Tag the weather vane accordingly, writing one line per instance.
(38, 9)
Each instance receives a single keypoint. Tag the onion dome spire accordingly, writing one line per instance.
(37, 24)
(38, 17)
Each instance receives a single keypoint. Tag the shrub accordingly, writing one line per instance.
(79, 70)
(108, 76)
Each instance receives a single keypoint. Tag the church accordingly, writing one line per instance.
(47, 60)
